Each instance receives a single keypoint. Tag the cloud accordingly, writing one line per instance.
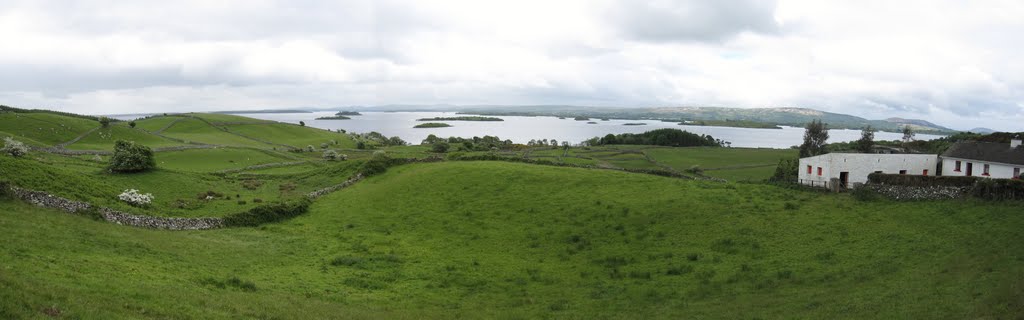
(670, 21)
(942, 60)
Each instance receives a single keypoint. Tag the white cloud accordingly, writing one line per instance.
(949, 61)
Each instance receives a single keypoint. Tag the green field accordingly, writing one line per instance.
(44, 128)
(210, 160)
(104, 138)
(156, 123)
(442, 240)
(294, 135)
(195, 130)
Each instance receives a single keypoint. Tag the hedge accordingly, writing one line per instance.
(272, 212)
(999, 189)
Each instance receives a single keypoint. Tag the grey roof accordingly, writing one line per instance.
(986, 151)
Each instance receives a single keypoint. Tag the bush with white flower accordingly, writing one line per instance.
(14, 147)
(133, 197)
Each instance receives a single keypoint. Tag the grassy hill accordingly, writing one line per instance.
(442, 240)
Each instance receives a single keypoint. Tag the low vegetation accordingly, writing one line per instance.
(432, 125)
(462, 118)
(334, 118)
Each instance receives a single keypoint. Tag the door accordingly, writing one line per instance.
(844, 179)
(970, 169)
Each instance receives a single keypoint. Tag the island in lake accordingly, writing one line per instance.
(334, 118)
(348, 113)
(462, 118)
(432, 125)
(634, 124)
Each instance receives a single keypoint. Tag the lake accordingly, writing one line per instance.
(523, 129)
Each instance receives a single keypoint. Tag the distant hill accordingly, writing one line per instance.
(918, 124)
(981, 130)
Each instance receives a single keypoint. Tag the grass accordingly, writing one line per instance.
(729, 163)
(547, 242)
(432, 125)
(210, 160)
(293, 135)
(44, 128)
(104, 138)
(155, 123)
(198, 131)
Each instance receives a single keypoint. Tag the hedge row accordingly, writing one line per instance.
(492, 157)
(999, 189)
(922, 181)
(272, 212)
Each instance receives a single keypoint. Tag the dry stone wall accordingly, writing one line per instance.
(898, 192)
(44, 199)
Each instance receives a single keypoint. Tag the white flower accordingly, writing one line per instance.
(133, 197)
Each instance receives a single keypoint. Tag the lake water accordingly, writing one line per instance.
(523, 129)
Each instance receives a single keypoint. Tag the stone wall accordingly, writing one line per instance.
(897, 192)
(319, 193)
(44, 199)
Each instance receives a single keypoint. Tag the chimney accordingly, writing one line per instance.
(1015, 143)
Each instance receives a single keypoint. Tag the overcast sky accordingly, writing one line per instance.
(958, 63)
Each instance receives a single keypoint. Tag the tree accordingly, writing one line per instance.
(867, 139)
(786, 171)
(104, 122)
(14, 148)
(815, 139)
(440, 147)
(302, 123)
(132, 124)
(908, 134)
(131, 157)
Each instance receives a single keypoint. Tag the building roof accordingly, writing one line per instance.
(986, 151)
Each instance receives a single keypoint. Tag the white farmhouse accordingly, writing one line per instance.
(984, 159)
(850, 168)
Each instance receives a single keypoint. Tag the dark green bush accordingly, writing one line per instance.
(999, 189)
(271, 212)
(5, 190)
(131, 157)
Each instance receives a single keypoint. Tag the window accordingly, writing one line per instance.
(956, 167)
(819, 171)
(984, 170)
(925, 172)
(808, 169)
(903, 171)
(1016, 173)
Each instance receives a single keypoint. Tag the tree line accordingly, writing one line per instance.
(659, 137)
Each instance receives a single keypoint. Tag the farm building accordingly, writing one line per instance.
(984, 159)
(850, 168)
(971, 158)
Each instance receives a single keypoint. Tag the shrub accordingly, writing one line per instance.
(999, 189)
(5, 190)
(272, 212)
(104, 121)
(251, 184)
(14, 148)
(132, 124)
(323, 145)
(864, 193)
(331, 155)
(257, 200)
(241, 202)
(131, 157)
(97, 158)
(695, 169)
(310, 148)
(921, 181)
(133, 197)
(209, 195)
(440, 147)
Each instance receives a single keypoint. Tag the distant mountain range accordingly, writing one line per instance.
(981, 130)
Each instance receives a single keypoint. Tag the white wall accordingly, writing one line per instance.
(859, 165)
(995, 170)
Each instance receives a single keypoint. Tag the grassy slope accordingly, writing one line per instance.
(294, 135)
(155, 123)
(43, 128)
(210, 160)
(199, 131)
(84, 180)
(733, 164)
(104, 138)
(443, 240)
